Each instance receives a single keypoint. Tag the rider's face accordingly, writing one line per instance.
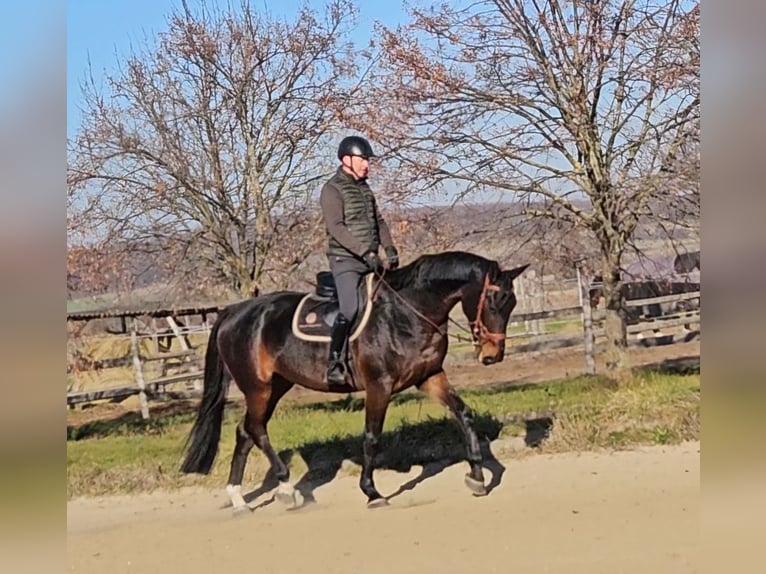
(357, 166)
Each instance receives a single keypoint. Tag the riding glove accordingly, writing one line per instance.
(392, 256)
(372, 261)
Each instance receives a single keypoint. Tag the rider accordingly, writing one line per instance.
(355, 232)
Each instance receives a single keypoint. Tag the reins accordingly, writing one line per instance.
(479, 330)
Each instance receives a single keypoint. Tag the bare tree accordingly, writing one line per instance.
(210, 145)
(582, 110)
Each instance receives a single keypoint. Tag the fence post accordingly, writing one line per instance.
(521, 297)
(587, 320)
(197, 384)
(139, 370)
(538, 303)
(155, 337)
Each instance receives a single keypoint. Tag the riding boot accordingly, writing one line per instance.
(336, 365)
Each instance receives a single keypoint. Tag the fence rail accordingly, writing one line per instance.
(663, 299)
(154, 389)
(170, 366)
(534, 339)
(549, 314)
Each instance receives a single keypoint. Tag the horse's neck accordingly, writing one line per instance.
(436, 302)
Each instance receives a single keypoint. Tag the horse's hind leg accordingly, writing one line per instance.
(251, 431)
(261, 404)
(438, 387)
(242, 448)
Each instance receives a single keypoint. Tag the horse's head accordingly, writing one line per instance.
(488, 309)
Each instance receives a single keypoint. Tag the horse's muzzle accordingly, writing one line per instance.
(490, 353)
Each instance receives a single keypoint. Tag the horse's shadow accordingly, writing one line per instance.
(433, 444)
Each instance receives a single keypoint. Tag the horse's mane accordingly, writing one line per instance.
(458, 266)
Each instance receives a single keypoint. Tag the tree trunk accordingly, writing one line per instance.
(616, 352)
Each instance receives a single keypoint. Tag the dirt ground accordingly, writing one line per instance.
(560, 363)
(610, 512)
(620, 512)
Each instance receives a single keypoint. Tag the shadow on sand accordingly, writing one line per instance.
(433, 444)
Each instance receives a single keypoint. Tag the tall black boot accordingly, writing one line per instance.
(336, 365)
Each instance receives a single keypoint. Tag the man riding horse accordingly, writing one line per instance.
(355, 230)
(403, 345)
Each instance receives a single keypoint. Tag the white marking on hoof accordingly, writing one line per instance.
(377, 503)
(239, 511)
(475, 486)
(237, 500)
(288, 496)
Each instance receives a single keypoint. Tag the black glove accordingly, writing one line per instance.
(372, 261)
(392, 256)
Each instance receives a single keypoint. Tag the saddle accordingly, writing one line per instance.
(316, 312)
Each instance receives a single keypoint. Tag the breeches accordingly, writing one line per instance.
(347, 273)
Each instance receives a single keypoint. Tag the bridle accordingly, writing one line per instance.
(478, 328)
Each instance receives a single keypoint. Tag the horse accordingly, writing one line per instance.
(403, 344)
(687, 262)
(648, 289)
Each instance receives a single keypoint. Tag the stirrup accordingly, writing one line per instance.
(336, 373)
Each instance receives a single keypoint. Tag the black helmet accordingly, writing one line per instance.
(355, 145)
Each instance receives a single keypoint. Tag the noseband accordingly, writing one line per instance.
(478, 328)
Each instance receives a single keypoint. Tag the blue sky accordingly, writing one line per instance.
(103, 30)
(31, 36)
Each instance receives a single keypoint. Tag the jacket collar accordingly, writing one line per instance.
(348, 177)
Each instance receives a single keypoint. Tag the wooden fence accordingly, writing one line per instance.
(537, 337)
(164, 363)
(593, 330)
(528, 332)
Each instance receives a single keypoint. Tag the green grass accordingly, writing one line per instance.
(549, 326)
(588, 412)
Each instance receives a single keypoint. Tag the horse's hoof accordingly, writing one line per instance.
(377, 503)
(240, 511)
(298, 499)
(475, 486)
(290, 497)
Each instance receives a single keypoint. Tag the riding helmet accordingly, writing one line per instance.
(355, 145)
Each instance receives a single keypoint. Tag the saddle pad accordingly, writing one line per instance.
(314, 316)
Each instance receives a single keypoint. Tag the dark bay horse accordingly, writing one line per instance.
(403, 344)
(649, 289)
(687, 262)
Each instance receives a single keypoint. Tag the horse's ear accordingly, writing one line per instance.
(515, 272)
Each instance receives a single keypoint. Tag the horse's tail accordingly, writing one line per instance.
(202, 442)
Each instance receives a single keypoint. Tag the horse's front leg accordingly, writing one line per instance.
(375, 406)
(438, 387)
